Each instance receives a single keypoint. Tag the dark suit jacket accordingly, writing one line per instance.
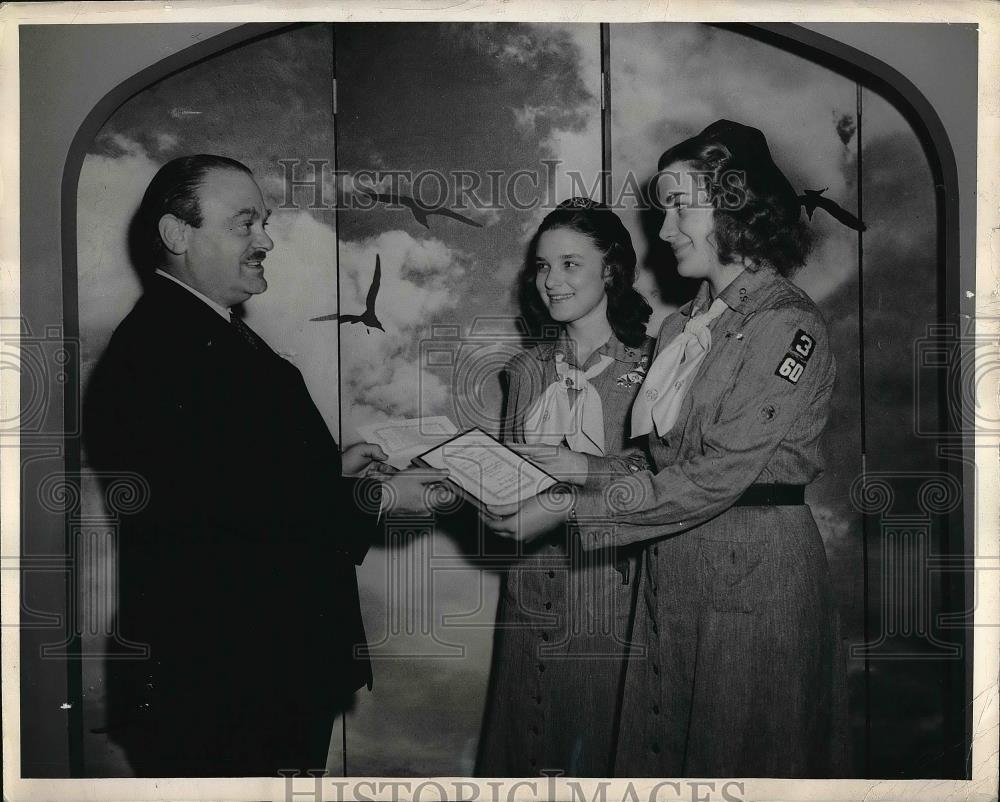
(239, 573)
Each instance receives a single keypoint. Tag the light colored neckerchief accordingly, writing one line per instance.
(671, 373)
(552, 419)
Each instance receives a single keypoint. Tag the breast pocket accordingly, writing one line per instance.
(729, 574)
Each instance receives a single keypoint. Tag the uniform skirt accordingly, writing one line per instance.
(560, 647)
(738, 668)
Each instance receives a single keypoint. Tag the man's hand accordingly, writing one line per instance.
(525, 523)
(412, 490)
(364, 459)
(563, 463)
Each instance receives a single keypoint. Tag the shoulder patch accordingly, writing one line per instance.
(790, 369)
(803, 345)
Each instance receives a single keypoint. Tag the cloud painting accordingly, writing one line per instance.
(482, 99)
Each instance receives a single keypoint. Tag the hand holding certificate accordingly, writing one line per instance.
(536, 516)
(486, 471)
(402, 440)
(560, 462)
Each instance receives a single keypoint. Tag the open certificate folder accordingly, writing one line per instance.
(487, 471)
(402, 440)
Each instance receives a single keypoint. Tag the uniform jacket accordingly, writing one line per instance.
(736, 667)
(754, 414)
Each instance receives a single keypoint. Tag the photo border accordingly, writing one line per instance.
(766, 16)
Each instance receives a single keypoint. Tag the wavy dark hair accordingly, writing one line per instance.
(628, 311)
(757, 216)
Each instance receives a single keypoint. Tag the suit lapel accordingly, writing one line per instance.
(193, 321)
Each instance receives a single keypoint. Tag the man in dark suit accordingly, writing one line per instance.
(239, 572)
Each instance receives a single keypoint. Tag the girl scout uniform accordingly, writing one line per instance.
(735, 668)
(564, 614)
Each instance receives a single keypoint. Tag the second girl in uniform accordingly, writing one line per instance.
(564, 613)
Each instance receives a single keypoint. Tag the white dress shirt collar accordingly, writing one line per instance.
(217, 307)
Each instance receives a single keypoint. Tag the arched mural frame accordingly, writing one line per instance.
(863, 68)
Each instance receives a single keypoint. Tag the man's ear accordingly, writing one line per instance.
(173, 232)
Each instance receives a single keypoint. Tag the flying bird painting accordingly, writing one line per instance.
(368, 317)
(813, 199)
(421, 213)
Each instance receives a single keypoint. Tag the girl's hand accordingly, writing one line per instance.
(564, 464)
(525, 523)
(411, 491)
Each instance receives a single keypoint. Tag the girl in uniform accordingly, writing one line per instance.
(564, 613)
(740, 672)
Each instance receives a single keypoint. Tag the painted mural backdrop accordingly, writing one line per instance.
(476, 100)
(809, 116)
(669, 81)
(490, 125)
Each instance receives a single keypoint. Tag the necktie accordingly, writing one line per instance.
(552, 419)
(670, 375)
(247, 334)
